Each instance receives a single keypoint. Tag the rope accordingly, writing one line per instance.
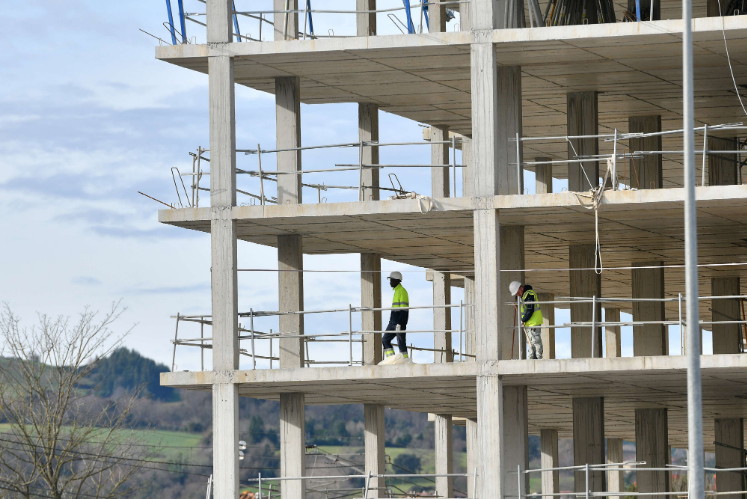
(595, 196)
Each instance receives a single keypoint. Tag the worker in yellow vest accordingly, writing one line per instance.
(531, 316)
(397, 323)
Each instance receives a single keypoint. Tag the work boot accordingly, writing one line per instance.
(389, 358)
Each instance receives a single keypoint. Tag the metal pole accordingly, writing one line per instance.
(519, 330)
(261, 178)
(368, 481)
(270, 349)
(614, 160)
(305, 13)
(199, 174)
(593, 325)
(350, 331)
(260, 485)
(682, 332)
(518, 474)
(202, 344)
(285, 24)
(518, 164)
(360, 171)
(176, 334)
(453, 161)
(587, 476)
(461, 330)
(695, 482)
(251, 322)
(705, 153)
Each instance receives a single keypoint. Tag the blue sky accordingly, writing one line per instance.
(89, 118)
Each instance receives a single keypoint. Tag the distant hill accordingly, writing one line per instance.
(125, 371)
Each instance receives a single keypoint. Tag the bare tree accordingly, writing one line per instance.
(63, 441)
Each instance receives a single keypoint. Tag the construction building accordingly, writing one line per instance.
(500, 88)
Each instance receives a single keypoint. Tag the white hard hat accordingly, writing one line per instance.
(395, 275)
(514, 287)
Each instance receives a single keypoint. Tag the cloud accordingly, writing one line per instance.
(157, 233)
(86, 281)
(203, 287)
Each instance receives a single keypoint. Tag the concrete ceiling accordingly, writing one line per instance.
(634, 226)
(636, 68)
(625, 383)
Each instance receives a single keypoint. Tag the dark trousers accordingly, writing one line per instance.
(386, 340)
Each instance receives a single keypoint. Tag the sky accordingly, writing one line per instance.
(89, 117)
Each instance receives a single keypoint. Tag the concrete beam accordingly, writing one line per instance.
(225, 440)
(722, 169)
(219, 26)
(588, 441)
(726, 337)
(491, 465)
(652, 447)
(583, 119)
(585, 283)
(649, 339)
(442, 318)
(368, 131)
(285, 25)
(444, 455)
(288, 135)
(543, 175)
(440, 187)
(549, 459)
(615, 479)
(292, 445)
(371, 297)
(613, 342)
(290, 299)
(548, 334)
(375, 437)
(437, 22)
(647, 171)
(365, 22)
(730, 433)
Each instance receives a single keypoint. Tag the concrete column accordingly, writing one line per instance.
(652, 446)
(467, 188)
(726, 337)
(649, 339)
(469, 314)
(286, 25)
(472, 454)
(368, 131)
(612, 334)
(615, 479)
(465, 20)
(583, 119)
(371, 297)
(584, 283)
(437, 18)
(225, 440)
(442, 317)
(444, 455)
(588, 441)
(543, 174)
(292, 445)
(646, 172)
(549, 459)
(224, 286)
(365, 23)
(722, 168)
(375, 437)
(729, 432)
(288, 133)
(290, 299)
(512, 257)
(515, 439)
(548, 334)
(491, 442)
(440, 187)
